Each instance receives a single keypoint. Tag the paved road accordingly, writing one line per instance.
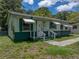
(63, 43)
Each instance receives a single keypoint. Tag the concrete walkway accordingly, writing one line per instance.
(63, 43)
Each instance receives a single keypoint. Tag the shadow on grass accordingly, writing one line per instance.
(34, 40)
(27, 40)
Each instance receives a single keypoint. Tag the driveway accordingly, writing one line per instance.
(63, 43)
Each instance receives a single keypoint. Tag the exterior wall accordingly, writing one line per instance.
(13, 26)
(46, 26)
(34, 27)
(42, 26)
(39, 25)
(22, 36)
(39, 28)
(16, 24)
(58, 27)
(10, 30)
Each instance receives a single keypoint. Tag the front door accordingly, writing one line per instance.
(39, 28)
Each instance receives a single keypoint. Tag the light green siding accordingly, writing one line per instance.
(10, 30)
(15, 24)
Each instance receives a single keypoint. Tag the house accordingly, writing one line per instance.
(75, 25)
(75, 28)
(23, 26)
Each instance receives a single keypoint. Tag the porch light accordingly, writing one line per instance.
(29, 21)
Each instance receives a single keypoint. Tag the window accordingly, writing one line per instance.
(26, 26)
(52, 25)
(66, 28)
(74, 27)
(61, 27)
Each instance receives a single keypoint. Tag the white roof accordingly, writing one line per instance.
(29, 21)
(56, 23)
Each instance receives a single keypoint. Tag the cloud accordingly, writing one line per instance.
(74, 0)
(29, 1)
(67, 7)
(47, 3)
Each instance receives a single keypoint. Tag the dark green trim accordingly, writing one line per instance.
(26, 35)
(36, 28)
(20, 24)
(31, 27)
(22, 35)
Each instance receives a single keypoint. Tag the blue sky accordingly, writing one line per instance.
(54, 6)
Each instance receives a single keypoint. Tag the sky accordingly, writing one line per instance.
(54, 6)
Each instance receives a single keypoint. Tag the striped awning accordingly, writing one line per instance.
(68, 25)
(56, 23)
(29, 20)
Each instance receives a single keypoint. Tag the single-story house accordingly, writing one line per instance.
(75, 25)
(23, 26)
(75, 28)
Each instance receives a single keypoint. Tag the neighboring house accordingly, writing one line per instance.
(75, 25)
(23, 26)
(75, 28)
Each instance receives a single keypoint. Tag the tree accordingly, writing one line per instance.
(73, 17)
(68, 16)
(63, 15)
(5, 5)
(42, 12)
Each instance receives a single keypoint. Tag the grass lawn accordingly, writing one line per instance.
(35, 50)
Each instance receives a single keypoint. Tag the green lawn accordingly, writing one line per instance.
(34, 50)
